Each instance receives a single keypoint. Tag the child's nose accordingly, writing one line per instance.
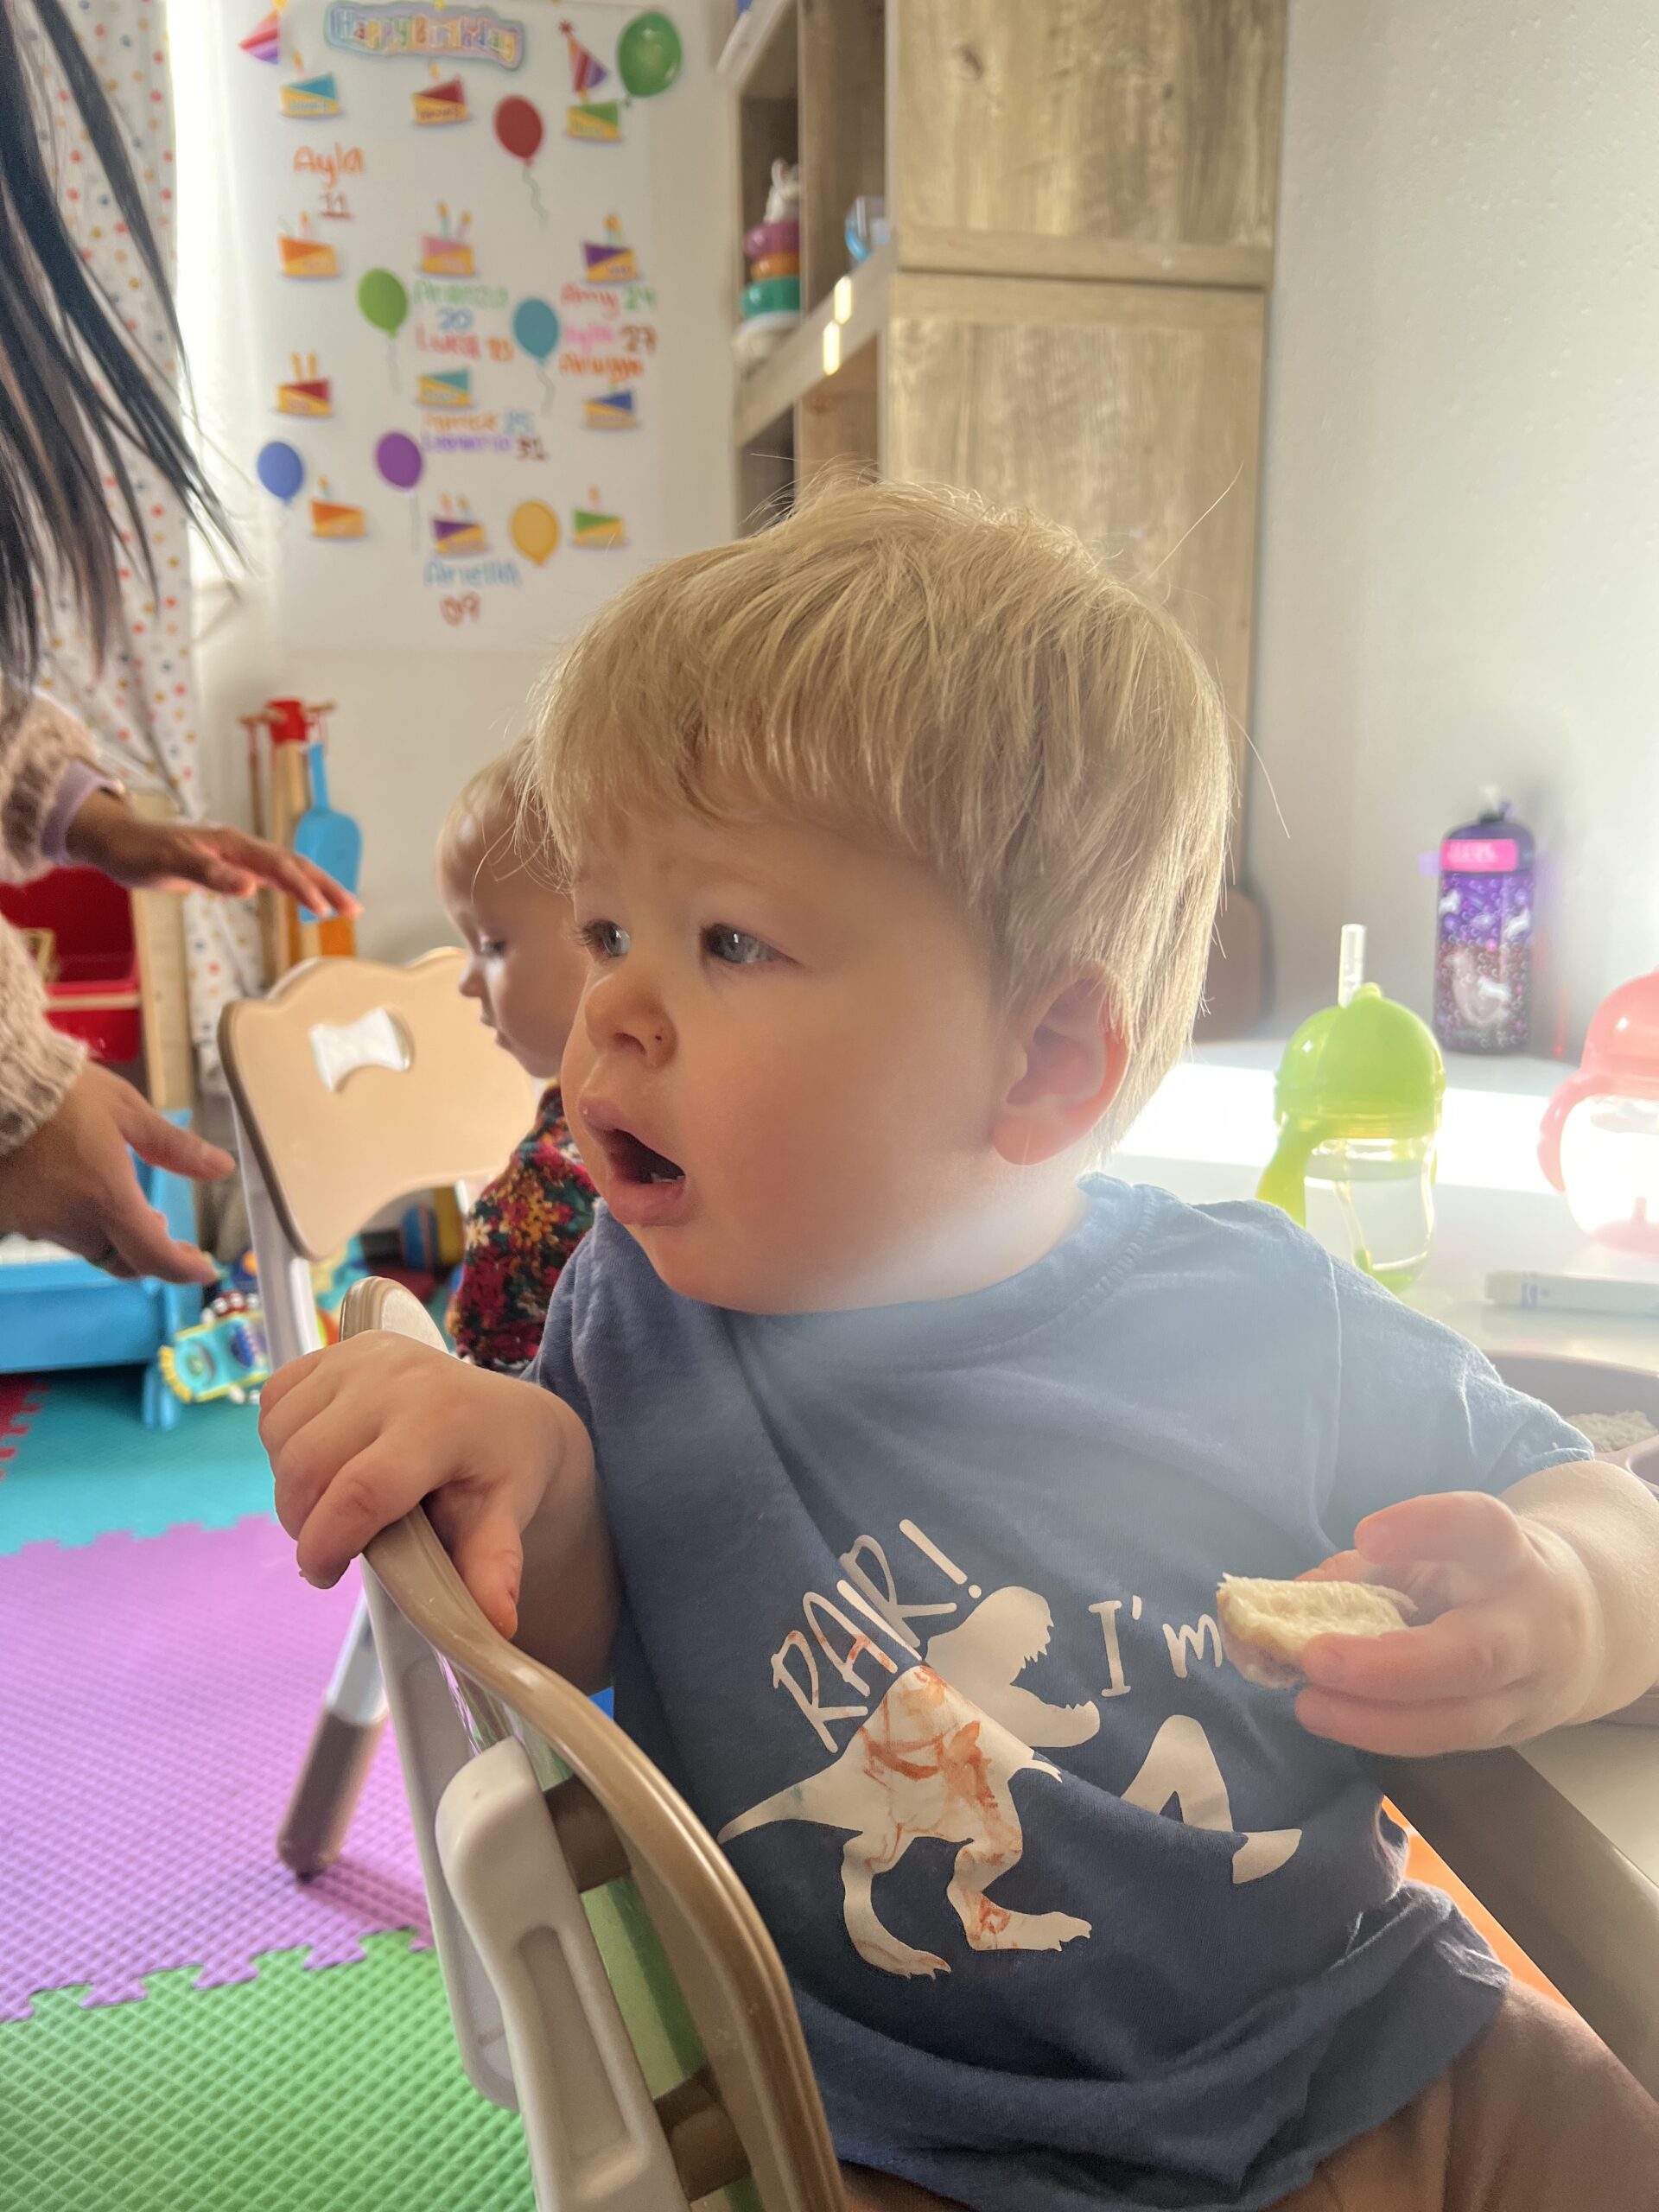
(623, 1012)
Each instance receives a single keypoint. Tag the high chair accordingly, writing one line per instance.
(606, 1970)
(354, 1085)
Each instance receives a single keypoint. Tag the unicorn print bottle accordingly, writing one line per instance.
(1483, 961)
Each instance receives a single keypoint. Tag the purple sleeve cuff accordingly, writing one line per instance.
(76, 784)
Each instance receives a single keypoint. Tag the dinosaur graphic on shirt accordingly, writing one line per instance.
(938, 1757)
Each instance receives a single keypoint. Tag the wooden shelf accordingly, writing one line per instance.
(1069, 313)
(758, 60)
(799, 363)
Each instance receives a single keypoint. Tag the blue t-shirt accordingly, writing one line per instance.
(918, 1613)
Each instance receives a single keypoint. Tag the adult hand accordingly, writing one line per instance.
(73, 1182)
(105, 834)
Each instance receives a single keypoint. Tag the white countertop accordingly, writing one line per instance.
(1207, 1136)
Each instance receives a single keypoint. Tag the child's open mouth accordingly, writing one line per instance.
(636, 1162)
(645, 1187)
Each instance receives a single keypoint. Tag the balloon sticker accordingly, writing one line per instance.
(280, 470)
(384, 304)
(518, 127)
(535, 531)
(649, 54)
(400, 462)
(535, 332)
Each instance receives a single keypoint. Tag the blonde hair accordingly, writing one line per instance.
(966, 686)
(498, 812)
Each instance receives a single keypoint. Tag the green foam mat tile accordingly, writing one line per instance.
(338, 2090)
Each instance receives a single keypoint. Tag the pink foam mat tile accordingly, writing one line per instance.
(157, 1695)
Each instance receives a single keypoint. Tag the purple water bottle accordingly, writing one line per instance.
(1483, 963)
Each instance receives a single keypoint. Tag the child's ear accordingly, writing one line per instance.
(1071, 1063)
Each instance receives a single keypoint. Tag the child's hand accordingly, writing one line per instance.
(359, 1433)
(1510, 1644)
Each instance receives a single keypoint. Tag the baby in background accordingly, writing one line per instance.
(526, 970)
(887, 1461)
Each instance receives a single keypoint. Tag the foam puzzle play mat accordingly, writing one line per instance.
(182, 2023)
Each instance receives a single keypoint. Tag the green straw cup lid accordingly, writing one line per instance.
(1369, 1069)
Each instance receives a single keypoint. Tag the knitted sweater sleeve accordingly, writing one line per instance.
(38, 743)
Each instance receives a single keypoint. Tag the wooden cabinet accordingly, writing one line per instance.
(1071, 312)
(1102, 138)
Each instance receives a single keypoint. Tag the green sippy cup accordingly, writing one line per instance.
(1358, 1101)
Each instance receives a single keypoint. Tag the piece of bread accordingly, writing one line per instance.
(1266, 1626)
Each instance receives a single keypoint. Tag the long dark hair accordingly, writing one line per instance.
(77, 399)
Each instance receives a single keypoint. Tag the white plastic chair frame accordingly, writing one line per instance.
(353, 1085)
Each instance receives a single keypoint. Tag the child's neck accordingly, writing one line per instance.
(976, 1246)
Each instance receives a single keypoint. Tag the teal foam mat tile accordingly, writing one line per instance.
(85, 1464)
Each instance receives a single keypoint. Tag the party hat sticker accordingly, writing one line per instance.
(587, 72)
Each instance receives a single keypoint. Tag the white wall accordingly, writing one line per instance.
(409, 728)
(1459, 565)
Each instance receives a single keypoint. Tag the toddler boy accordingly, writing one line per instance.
(888, 1469)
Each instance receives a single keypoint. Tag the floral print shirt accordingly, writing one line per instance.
(520, 1234)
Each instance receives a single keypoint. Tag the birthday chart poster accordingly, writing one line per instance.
(443, 218)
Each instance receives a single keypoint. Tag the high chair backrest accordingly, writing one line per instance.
(353, 1085)
(617, 1943)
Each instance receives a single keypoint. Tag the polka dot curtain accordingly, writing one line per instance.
(141, 707)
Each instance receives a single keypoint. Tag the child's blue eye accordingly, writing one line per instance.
(735, 948)
(605, 940)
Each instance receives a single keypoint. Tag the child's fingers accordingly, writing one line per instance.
(1341, 1566)
(369, 1492)
(1469, 1652)
(1408, 1732)
(1456, 1525)
(321, 1445)
(286, 1379)
(481, 1535)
